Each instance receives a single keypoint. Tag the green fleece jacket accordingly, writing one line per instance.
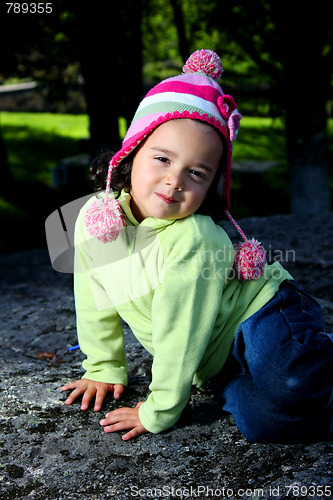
(172, 282)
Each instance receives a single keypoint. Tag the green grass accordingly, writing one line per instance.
(260, 139)
(35, 143)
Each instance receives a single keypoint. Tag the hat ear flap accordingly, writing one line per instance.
(234, 124)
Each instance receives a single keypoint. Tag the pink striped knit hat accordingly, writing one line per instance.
(194, 94)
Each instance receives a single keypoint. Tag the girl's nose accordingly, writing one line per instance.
(177, 188)
(175, 181)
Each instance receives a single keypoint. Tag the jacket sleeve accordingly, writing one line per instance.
(99, 328)
(184, 311)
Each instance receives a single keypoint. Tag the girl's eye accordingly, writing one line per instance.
(197, 173)
(162, 159)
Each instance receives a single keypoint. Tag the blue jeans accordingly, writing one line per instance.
(277, 381)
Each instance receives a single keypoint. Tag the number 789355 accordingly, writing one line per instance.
(29, 8)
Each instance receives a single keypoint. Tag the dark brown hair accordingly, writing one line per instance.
(121, 176)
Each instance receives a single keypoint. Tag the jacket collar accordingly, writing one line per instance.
(158, 224)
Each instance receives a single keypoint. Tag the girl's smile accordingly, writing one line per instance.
(174, 168)
(167, 199)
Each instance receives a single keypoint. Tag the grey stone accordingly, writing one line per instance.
(52, 451)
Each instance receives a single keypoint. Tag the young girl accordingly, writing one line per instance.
(151, 255)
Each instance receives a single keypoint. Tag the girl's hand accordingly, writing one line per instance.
(89, 389)
(124, 418)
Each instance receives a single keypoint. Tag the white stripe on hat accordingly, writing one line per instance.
(188, 99)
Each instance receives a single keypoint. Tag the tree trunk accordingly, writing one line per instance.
(99, 67)
(131, 57)
(180, 25)
(305, 92)
(6, 175)
(110, 55)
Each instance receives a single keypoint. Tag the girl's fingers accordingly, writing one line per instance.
(77, 384)
(73, 395)
(67, 387)
(116, 417)
(89, 389)
(80, 387)
(89, 393)
(134, 432)
(100, 396)
(125, 425)
(118, 390)
(118, 426)
(110, 418)
(128, 418)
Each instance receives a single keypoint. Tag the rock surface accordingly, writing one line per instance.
(52, 451)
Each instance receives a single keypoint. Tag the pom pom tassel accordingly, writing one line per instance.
(250, 259)
(105, 218)
(250, 256)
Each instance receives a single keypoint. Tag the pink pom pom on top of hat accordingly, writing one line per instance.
(204, 61)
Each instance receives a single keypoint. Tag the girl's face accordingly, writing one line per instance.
(174, 168)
